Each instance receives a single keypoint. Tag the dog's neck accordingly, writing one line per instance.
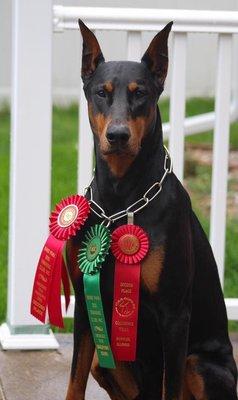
(114, 193)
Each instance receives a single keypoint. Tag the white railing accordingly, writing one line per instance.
(31, 133)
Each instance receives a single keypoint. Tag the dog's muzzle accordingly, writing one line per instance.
(118, 135)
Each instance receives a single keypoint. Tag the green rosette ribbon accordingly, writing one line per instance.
(95, 248)
(91, 256)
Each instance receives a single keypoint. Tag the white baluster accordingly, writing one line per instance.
(221, 151)
(177, 103)
(134, 45)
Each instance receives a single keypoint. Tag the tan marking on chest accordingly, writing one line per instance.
(151, 268)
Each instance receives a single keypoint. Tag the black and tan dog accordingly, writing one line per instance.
(183, 349)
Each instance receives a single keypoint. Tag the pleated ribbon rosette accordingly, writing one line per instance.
(92, 254)
(67, 218)
(129, 245)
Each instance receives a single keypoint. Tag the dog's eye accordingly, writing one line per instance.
(101, 93)
(140, 93)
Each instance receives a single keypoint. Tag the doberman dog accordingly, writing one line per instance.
(183, 348)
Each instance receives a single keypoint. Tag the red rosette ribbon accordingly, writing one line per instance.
(130, 245)
(67, 218)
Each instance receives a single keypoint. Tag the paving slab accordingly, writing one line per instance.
(43, 375)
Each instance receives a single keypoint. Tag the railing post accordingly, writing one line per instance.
(30, 169)
(177, 103)
(221, 150)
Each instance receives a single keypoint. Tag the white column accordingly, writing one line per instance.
(234, 114)
(221, 150)
(30, 169)
(134, 45)
(177, 103)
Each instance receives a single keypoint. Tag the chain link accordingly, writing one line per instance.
(156, 184)
(144, 204)
(138, 205)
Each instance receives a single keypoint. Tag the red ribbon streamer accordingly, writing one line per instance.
(47, 284)
(69, 215)
(125, 311)
(129, 245)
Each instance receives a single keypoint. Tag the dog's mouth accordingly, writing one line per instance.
(119, 150)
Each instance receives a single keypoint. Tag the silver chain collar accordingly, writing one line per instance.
(138, 205)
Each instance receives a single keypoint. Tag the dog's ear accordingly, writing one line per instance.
(156, 56)
(92, 55)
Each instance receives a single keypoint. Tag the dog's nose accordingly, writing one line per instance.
(118, 134)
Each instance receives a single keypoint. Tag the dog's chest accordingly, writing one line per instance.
(151, 268)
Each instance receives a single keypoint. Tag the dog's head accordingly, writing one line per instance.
(122, 96)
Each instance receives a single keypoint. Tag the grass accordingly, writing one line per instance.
(64, 175)
(64, 152)
(4, 195)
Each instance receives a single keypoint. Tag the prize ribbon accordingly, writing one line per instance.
(130, 245)
(91, 256)
(67, 218)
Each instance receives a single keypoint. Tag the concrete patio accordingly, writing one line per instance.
(40, 375)
(43, 375)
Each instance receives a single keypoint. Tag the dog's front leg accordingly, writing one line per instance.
(83, 341)
(174, 303)
(174, 337)
(82, 357)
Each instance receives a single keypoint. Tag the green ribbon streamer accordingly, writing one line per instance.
(97, 320)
